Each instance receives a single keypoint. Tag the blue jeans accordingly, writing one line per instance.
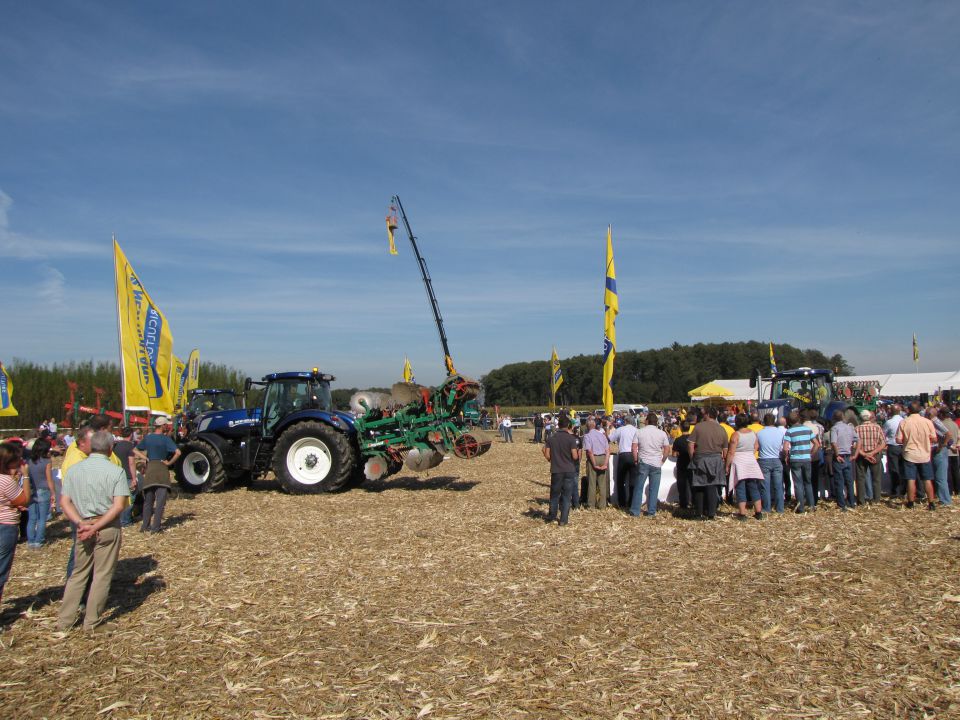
(801, 471)
(9, 534)
(940, 483)
(39, 511)
(843, 489)
(562, 487)
(645, 471)
(772, 486)
(126, 517)
(748, 491)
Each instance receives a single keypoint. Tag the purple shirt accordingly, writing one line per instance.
(596, 442)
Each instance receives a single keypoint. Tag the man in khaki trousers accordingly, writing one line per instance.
(95, 492)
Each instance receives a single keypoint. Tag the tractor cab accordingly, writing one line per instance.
(292, 392)
(801, 389)
(204, 400)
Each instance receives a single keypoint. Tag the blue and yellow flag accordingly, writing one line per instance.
(178, 381)
(611, 307)
(773, 361)
(916, 349)
(408, 371)
(146, 344)
(556, 376)
(6, 394)
(193, 372)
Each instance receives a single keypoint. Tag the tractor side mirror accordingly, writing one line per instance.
(247, 384)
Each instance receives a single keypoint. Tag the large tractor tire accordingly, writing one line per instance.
(200, 469)
(312, 458)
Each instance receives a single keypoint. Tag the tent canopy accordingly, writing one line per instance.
(711, 389)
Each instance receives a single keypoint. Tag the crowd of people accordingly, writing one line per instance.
(759, 465)
(100, 474)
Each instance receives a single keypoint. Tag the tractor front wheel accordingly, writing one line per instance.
(200, 469)
(312, 458)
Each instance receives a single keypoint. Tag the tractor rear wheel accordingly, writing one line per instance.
(312, 458)
(200, 469)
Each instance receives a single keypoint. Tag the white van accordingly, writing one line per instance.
(632, 409)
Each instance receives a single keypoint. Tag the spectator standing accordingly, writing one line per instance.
(799, 444)
(95, 492)
(894, 453)
(917, 436)
(42, 493)
(870, 446)
(160, 453)
(653, 448)
(625, 437)
(744, 472)
(770, 441)
(940, 458)
(507, 425)
(953, 459)
(562, 451)
(596, 446)
(13, 499)
(816, 460)
(538, 428)
(123, 449)
(708, 443)
(843, 440)
(681, 451)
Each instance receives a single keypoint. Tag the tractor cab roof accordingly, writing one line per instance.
(802, 372)
(306, 375)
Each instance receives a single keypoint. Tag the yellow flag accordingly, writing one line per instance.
(611, 306)
(6, 394)
(146, 344)
(407, 371)
(193, 372)
(556, 377)
(916, 350)
(178, 381)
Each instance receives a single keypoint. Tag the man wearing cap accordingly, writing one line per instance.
(161, 453)
(870, 446)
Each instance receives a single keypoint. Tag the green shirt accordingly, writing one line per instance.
(93, 483)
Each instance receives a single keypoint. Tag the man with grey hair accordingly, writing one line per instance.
(95, 492)
(596, 446)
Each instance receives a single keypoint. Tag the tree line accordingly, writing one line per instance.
(40, 391)
(661, 375)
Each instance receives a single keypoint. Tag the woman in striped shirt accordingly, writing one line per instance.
(13, 498)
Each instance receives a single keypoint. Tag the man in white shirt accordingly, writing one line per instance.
(652, 448)
(894, 452)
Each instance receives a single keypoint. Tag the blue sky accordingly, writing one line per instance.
(784, 171)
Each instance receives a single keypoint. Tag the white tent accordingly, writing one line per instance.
(910, 384)
(741, 390)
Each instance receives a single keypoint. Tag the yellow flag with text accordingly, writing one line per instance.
(178, 381)
(146, 344)
(611, 307)
(6, 394)
(556, 375)
(193, 372)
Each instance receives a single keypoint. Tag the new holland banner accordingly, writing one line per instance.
(193, 372)
(6, 394)
(146, 344)
(178, 381)
(556, 377)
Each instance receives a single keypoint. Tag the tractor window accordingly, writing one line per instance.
(226, 401)
(282, 398)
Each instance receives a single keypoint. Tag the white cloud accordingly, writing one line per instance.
(52, 288)
(19, 246)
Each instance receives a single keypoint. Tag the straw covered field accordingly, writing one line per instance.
(448, 597)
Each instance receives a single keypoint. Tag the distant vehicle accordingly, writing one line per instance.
(631, 408)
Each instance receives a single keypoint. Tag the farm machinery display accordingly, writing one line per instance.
(312, 448)
(803, 389)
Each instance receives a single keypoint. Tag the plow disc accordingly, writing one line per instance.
(469, 446)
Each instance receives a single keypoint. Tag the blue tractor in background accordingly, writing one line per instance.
(295, 432)
(801, 389)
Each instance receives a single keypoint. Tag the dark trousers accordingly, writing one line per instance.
(953, 473)
(627, 471)
(898, 485)
(876, 475)
(154, 501)
(705, 500)
(562, 486)
(815, 466)
(538, 433)
(683, 487)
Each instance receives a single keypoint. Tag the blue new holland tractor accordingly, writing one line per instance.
(295, 432)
